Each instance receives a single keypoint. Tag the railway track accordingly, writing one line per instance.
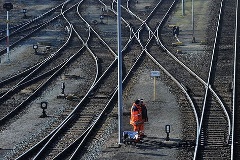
(20, 89)
(215, 121)
(204, 98)
(28, 28)
(235, 126)
(96, 92)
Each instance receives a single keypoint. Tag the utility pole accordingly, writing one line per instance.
(120, 106)
(183, 7)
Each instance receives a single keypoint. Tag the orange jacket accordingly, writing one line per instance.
(136, 114)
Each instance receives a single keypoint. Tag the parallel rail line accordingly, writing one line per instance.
(205, 97)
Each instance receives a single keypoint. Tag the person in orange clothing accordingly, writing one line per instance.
(144, 117)
(136, 117)
(144, 111)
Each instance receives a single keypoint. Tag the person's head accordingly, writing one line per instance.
(137, 102)
(141, 100)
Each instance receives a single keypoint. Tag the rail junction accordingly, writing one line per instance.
(83, 57)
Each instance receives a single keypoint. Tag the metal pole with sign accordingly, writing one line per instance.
(154, 74)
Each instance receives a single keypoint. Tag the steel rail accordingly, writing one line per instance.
(24, 24)
(55, 132)
(93, 55)
(86, 137)
(45, 60)
(191, 72)
(162, 68)
(159, 64)
(71, 115)
(214, 93)
(86, 44)
(17, 76)
(77, 150)
(179, 84)
(159, 41)
(23, 30)
(24, 84)
(48, 138)
(43, 24)
(208, 85)
(82, 137)
(63, 126)
(198, 78)
(137, 59)
(114, 94)
(95, 31)
(53, 71)
(236, 51)
(24, 80)
(183, 87)
(143, 22)
(155, 61)
(36, 69)
(30, 33)
(33, 67)
(127, 24)
(33, 20)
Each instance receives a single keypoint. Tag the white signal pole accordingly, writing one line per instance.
(8, 57)
(8, 6)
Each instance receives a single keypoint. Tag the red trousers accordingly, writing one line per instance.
(139, 128)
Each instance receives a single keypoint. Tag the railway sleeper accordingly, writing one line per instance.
(216, 138)
(216, 127)
(101, 96)
(212, 144)
(209, 150)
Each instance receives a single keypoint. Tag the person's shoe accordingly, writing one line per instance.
(142, 136)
